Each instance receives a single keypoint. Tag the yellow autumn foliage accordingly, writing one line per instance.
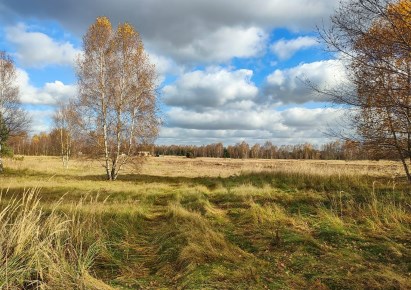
(103, 21)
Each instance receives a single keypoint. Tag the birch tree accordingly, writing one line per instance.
(374, 39)
(66, 122)
(13, 119)
(118, 93)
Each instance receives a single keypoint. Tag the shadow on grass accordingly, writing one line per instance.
(289, 182)
(8, 172)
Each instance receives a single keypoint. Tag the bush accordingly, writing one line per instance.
(190, 155)
(6, 151)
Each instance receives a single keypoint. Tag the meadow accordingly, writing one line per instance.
(205, 223)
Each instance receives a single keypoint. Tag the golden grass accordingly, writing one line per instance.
(205, 224)
(173, 166)
(41, 250)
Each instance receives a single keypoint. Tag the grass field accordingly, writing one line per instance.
(205, 223)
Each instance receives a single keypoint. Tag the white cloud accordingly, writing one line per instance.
(215, 104)
(303, 118)
(49, 94)
(296, 125)
(199, 137)
(211, 30)
(223, 44)
(40, 120)
(36, 49)
(165, 66)
(262, 119)
(224, 119)
(285, 49)
(212, 88)
(222, 105)
(59, 91)
(288, 86)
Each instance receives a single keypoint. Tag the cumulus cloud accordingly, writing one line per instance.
(40, 120)
(165, 65)
(192, 30)
(284, 49)
(206, 106)
(49, 94)
(263, 119)
(190, 14)
(222, 45)
(223, 119)
(288, 86)
(36, 49)
(303, 118)
(296, 125)
(199, 137)
(215, 104)
(214, 87)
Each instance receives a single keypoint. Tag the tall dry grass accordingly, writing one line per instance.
(44, 249)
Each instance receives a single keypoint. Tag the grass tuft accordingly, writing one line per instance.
(42, 249)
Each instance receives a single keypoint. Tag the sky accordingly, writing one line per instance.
(229, 71)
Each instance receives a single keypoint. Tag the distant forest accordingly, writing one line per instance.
(50, 144)
(336, 150)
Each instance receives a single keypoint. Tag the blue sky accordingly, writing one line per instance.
(229, 70)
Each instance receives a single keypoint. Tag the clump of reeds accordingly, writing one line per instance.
(42, 249)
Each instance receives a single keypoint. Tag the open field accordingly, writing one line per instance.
(205, 224)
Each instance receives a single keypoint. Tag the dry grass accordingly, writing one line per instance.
(173, 166)
(205, 224)
(44, 250)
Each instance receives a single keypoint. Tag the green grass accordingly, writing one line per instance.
(266, 230)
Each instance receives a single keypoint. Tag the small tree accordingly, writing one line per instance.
(118, 95)
(66, 121)
(373, 37)
(13, 120)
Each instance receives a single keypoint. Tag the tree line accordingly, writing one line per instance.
(58, 142)
(335, 150)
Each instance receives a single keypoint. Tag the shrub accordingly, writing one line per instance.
(190, 155)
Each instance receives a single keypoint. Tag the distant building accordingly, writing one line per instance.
(144, 153)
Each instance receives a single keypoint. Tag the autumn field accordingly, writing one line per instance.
(204, 223)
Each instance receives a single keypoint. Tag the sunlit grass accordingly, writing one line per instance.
(45, 249)
(245, 225)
